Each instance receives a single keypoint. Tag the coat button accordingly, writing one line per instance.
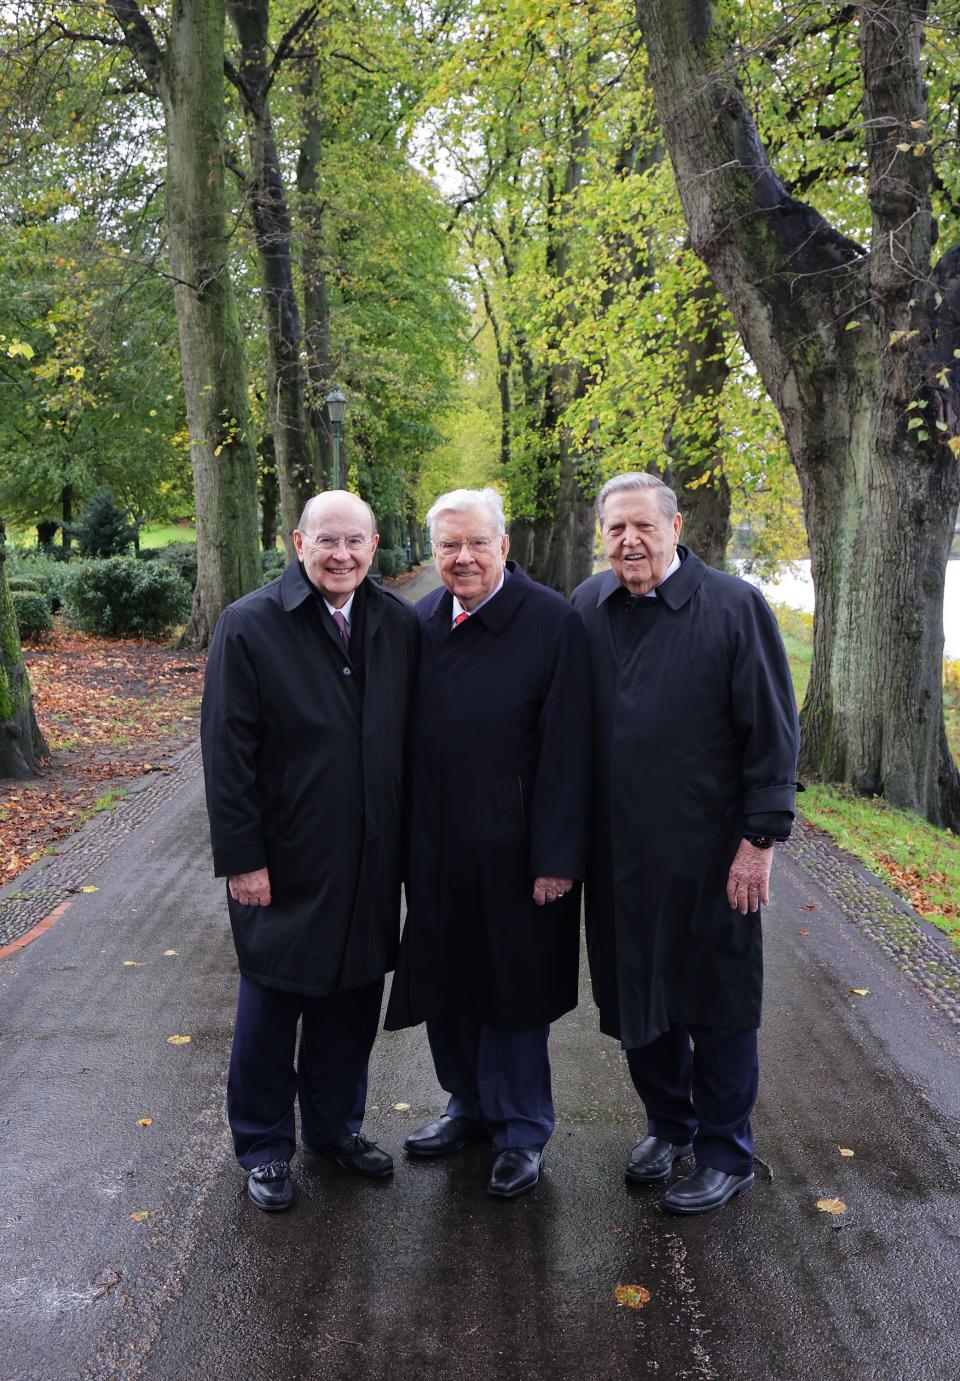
(346, 671)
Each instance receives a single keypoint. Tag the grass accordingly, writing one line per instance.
(163, 536)
(918, 861)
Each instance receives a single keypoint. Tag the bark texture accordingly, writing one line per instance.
(852, 347)
(187, 75)
(21, 743)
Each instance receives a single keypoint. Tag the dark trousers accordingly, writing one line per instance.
(704, 1093)
(500, 1078)
(328, 1078)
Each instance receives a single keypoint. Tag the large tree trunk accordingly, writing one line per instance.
(188, 77)
(852, 347)
(293, 441)
(21, 743)
(316, 305)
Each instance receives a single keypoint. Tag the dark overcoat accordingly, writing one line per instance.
(501, 777)
(696, 728)
(303, 755)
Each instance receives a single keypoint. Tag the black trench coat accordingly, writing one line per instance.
(501, 778)
(696, 729)
(303, 750)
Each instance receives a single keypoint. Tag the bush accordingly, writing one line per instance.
(21, 582)
(393, 560)
(121, 598)
(273, 562)
(104, 528)
(182, 558)
(33, 571)
(33, 614)
(149, 553)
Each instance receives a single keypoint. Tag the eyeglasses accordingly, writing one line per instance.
(477, 545)
(331, 544)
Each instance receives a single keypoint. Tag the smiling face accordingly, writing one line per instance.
(469, 554)
(638, 538)
(337, 547)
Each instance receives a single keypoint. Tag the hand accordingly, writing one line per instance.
(748, 882)
(549, 889)
(251, 889)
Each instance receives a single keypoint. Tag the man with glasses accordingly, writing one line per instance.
(303, 728)
(500, 774)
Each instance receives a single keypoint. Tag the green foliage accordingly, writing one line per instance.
(392, 560)
(118, 597)
(39, 570)
(104, 528)
(181, 557)
(33, 614)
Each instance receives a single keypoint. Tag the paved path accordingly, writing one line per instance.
(426, 1277)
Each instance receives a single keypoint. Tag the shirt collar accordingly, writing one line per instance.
(458, 609)
(674, 566)
(344, 608)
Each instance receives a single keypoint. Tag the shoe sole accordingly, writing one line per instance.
(707, 1208)
(270, 1208)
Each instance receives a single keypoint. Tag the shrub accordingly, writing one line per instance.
(387, 561)
(182, 557)
(272, 561)
(21, 582)
(36, 571)
(104, 528)
(119, 597)
(149, 553)
(32, 612)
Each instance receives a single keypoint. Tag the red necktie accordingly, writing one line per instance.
(459, 619)
(341, 623)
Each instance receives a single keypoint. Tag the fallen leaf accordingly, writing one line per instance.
(144, 1121)
(134, 963)
(804, 932)
(809, 906)
(845, 1151)
(401, 1107)
(859, 992)
(169, 953)
(141, 1215)
(835, 1206)
(633, 1296)
(179, 1040)
(89, 889)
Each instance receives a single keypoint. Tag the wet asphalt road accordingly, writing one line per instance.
(425, 1276)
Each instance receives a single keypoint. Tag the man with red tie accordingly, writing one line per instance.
(500, 773)
(303, 730)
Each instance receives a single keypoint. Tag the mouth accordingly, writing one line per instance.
(638, 557)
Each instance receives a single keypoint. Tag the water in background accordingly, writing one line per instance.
(795, 589)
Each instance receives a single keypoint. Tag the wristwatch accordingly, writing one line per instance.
(760, 841)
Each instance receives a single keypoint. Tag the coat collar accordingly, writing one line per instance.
(295, 590)
(497, 612)
(675, 592)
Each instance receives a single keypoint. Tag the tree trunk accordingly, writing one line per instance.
(856, 351)
(21, 743)
(316, 306)
(293, 441)
(188, 77)
(66, 514)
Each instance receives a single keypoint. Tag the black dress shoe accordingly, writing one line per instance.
(652, 1160)
(354, 1152)
(515, 1170)
(704, 1190)
(270, 1186)
(445, 1135)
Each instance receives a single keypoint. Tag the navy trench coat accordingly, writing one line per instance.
(501, 779)
(303, 753)
(696, 731)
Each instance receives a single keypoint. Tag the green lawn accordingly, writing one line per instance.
(919, 862)
(163, 536)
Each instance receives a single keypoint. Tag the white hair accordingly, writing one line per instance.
(459, 500)
(639, 480)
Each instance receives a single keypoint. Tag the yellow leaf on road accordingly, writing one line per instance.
(141, 1215)
(859, 992)
(179, 1040)
(144, 1121)
(169, 953)
(845, 1151)
(133, 963)
(401, 1107)
(89, 889)
(836, 1206)
(632, 1296)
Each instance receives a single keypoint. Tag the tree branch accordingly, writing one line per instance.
(296, 30)
(139, 38)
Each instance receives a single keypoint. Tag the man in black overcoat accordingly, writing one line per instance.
(500, 773)
(303, 729)
(696, 750)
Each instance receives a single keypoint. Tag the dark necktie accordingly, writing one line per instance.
(341, 623)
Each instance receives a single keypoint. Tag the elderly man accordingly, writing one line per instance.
(696, 748)
(303, 730)
(501, 781)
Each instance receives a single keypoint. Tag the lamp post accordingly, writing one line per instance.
(336, 405)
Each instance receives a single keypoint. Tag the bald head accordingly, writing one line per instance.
(335, 500)
(335, 541)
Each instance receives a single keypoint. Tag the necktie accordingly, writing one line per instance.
(459, 619)
(341, 623)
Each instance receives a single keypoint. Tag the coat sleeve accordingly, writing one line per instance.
(561, 792)
(229, 739)
(765, 714)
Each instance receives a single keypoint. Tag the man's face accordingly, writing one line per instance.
(638, 539)
(468, 554)
(338, 549)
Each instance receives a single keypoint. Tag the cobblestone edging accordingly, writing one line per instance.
(34, 894)
(916, 947)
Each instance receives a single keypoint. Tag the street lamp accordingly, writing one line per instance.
(336, 405)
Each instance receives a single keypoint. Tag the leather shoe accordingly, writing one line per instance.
(270, 1186)
(515, 1170)
(355, 1152)
(704, 1190)
(652, 1160)
(443, 1136)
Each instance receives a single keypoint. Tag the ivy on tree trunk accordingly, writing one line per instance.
(21, 743)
